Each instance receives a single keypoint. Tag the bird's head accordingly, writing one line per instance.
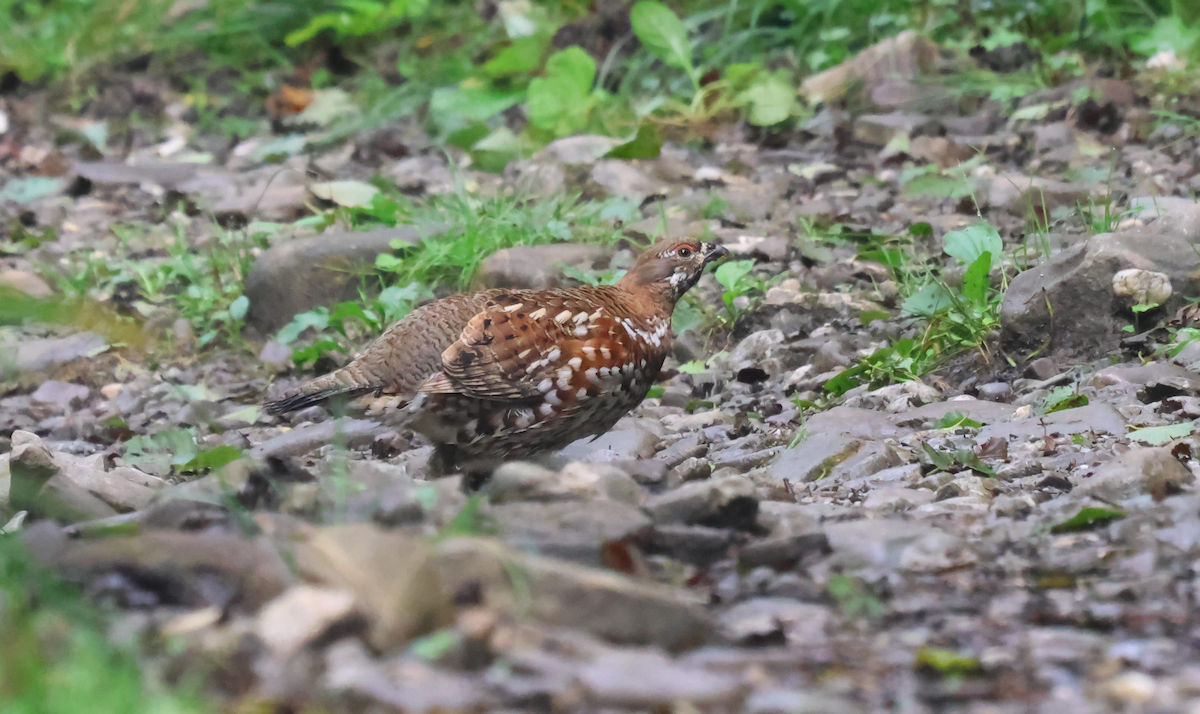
(669, 268)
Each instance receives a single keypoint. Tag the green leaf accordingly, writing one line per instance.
(213, 458)
(953, 420)
(451, 107)
(975, 281)
(238, 308)
(1168, 34)
(1155, 435)
(696, 366)
(30, 189)
(522, 57)
(1086, 519)
(646, 144)
(561, 101)
(948, 663)
(663, 33)
(349, 194)
(770, 98)
(317, 319)
(1061, 398)
(731, 274)
(927, 301)
(866, 317)
(967, 245)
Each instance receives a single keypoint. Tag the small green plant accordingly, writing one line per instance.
(957, 460)
(739, 285)
(1061, 398)
(58, 658)
(177, 449)
(853, 597)
(954, 420)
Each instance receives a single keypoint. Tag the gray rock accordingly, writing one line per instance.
(1022, 194)
(620, 178)
(1096, 417)
(696, 545)
(311, 436)
(38, 484)
(814, 458)
(581, 149)
(572, 530)
(1078, 285)
(790, 701)
(897, 544)
(324, 269)
(984, 412)
(622, 444)
(1137, 471)
(729, 502)
(557, 593)
(43, 355)
(301, 615)
(872, 458)
(539, 267)
(775, 621)
(879, 129)
(64, 395)
(647, 680)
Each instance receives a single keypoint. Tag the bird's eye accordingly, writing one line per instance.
(684, 252)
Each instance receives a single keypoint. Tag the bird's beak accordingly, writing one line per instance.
(715, 253)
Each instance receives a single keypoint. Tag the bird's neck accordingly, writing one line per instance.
(653, 299)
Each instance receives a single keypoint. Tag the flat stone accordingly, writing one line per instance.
(879, 129)
(573, 530)
(729, 502)
(557, 593)
(301, 274)
(539, 267)
(620, 178)
(43, 355)
(984, 412)
(25, 282)
(641, 679)
(1137, 471)
(1097, 417)
(760, 620)
(1068, 303)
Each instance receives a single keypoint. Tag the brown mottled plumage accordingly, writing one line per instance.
(506, 374)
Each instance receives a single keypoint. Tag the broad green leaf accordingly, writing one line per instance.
(522, 57)
(348, 194)
(646, 144)
(213, 458)
(948, 663)
(731, 274)
(954, 420)
(967, 245)
(663, 33)
(927, 301)
(770, 99)
(1155, 435)
(696, 366)
(1087, 518)
(1169, 34)
(560, 101)
(317, 319)
(975, 281)
(451, 107)
(1061, 398)
(29, 189)
(238, 308)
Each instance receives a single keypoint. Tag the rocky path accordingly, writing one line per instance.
(1014, 532)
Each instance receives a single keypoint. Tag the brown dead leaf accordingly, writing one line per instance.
(288, 101)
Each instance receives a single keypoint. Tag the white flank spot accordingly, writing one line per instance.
(589, 352)
(581, 331)
(580, 318)
(514, 308)
(524, 353)
(582, 393)
(546, 409)
(552, 399)
(545, 386)
(553, 355)
(575, 362)
(592, 375)
(538, 313)
(563, 316)
(606, 353)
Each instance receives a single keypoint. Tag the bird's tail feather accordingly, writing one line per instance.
(316, 392)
